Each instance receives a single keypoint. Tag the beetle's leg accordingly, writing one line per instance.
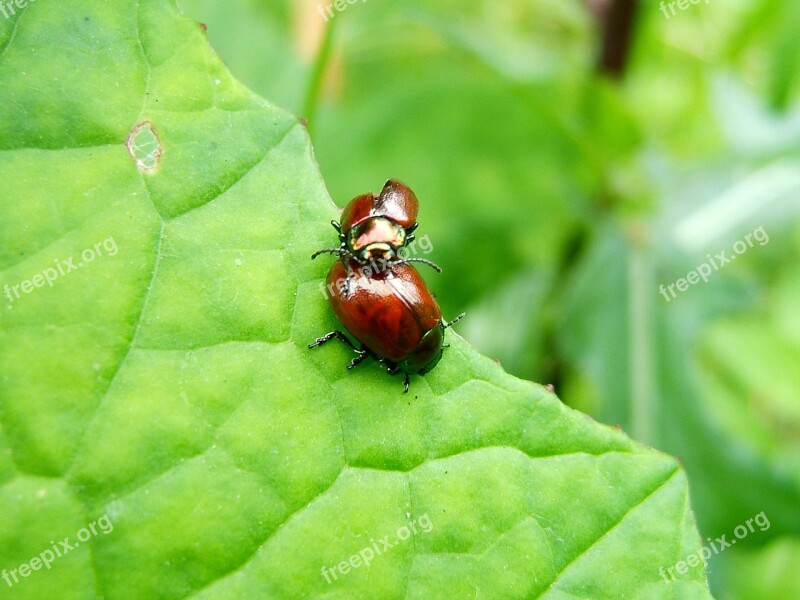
(410, 237)
(350, 274)
(391, 368)
(342, 237)
(329, 336)
(394, 369)
(362, 354)
(445, 324)
(347, 266)
(345, 251)
(424, 261)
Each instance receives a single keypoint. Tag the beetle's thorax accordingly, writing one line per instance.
(377, 238)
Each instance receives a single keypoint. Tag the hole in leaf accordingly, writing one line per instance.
(144, 147)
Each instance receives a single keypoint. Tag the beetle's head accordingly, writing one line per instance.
(377, 238)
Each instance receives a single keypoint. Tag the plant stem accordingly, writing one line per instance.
(317, 75)
(618, 28)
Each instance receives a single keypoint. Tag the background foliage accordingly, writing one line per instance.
(558, 200)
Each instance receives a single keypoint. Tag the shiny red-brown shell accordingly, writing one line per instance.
(388, 311)
(395, 202)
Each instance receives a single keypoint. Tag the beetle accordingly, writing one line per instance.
(377, 227)
(391, 313)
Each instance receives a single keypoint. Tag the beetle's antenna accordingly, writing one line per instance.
(326, 250)
(454, 321)
(424, 261)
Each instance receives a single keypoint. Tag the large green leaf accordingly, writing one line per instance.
(561, 293)
(161, 413)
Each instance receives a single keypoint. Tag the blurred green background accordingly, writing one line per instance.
(560, 190)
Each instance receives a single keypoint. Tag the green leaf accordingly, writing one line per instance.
(161, 413)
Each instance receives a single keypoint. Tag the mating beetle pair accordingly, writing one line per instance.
(376, 294)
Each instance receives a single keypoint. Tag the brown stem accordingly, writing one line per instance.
(618, 26)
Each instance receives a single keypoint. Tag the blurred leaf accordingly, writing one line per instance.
(265, 44)
(502, 330)
(769, 572)
(772, 23)
(750, 126)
